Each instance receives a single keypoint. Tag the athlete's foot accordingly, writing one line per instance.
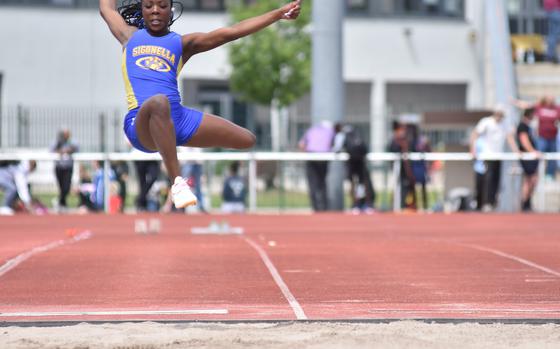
(182, 194)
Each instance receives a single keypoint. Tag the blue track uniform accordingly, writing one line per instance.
(150, 66)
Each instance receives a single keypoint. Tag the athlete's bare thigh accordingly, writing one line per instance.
(215, 131)
(154, 107)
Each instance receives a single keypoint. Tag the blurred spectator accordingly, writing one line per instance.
(527, 144)
(349, 139)
(192, 171)
(147, 172)
(552, 8)
(234, 193)
(64, 166)
(317, 139)
(86, 191)
(548, 116)
(120, 168)
(421, 144)
(479, 167)
(557, 149)
(13, 180)
(401, 143)
(493, 131)
(158, 193)
(98, 197)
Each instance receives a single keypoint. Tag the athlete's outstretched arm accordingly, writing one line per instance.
(117, 25)
(200, 42)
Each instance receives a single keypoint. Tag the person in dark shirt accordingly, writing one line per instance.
(348, 138)
(64, 166)
(121, 171)
(234, 192)
(547, 113)
(147, 173)
(420, 144)
(527, 144)
(400, 143)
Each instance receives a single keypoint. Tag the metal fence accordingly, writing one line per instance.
(94, 129)
(99, 129)
(277, 181)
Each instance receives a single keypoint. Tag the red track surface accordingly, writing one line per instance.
(334, 266)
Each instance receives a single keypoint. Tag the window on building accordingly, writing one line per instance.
(527, 17)
(408, 8)
(400, 8)
(189, 5)
(357, 6)
(59, 3)
(204, 5)
(432, 8)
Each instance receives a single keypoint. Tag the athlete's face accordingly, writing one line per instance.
(157, 15)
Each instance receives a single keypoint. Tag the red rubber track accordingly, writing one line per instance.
(335, 266)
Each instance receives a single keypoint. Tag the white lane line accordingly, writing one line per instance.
(17, 260)
(118, 313)
(513, 258)
(296, 307)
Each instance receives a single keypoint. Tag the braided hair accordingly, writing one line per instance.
(131, 12)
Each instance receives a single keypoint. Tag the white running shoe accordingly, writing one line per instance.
(181, 193)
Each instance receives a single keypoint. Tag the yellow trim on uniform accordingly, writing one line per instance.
(130, 96)
(180, 66)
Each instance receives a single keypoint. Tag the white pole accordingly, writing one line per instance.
(328, 89)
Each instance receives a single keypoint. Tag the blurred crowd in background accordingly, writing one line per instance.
(535, 134)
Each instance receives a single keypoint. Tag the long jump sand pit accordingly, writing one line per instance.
(324, 335)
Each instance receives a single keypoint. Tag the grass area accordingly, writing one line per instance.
(274, 199)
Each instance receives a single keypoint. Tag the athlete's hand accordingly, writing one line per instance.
(291, 10)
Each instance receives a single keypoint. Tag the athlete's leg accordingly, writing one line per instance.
(215, 131)
(156, 131)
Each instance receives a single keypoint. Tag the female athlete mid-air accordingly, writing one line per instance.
(152, 59)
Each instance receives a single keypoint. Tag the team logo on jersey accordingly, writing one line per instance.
(153, 63)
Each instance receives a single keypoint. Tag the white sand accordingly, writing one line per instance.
(407, 334)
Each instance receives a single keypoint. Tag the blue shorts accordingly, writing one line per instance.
(185, 120)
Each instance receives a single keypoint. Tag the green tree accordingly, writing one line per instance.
(273, 66)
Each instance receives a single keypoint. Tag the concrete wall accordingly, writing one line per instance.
(69, 57)
(55, 56)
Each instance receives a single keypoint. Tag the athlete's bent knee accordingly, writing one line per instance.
(159, 102)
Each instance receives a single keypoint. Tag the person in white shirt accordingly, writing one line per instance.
(13, 180)
(493, 131)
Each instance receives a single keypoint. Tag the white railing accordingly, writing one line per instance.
(252, 157)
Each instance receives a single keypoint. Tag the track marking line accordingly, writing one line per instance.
(17, 260)
(464, 311)
(513, 258)
(118, 313)
(296, 307)
(524, 308)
